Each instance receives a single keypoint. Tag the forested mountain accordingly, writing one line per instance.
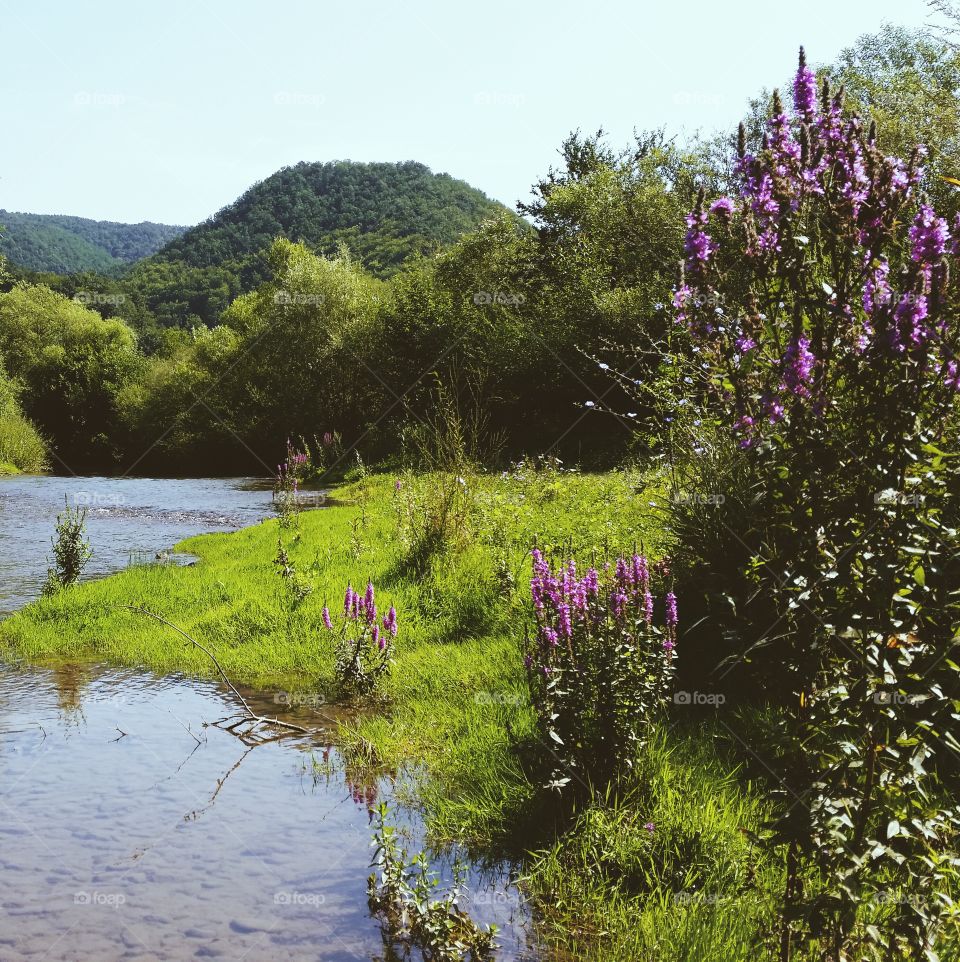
(67, 245)
(383, 212)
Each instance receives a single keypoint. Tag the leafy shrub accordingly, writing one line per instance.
(598, 669)
(400, 894)
(20, 443)
(71, 550)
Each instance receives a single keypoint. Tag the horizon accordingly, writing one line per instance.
(153, 129)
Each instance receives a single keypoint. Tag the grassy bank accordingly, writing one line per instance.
(6, 470)
(453, 556)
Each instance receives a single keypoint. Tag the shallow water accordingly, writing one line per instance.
(128, 520)
(132, 829)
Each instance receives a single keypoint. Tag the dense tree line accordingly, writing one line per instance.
(66, 245)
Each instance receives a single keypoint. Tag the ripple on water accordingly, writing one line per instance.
(122, 838)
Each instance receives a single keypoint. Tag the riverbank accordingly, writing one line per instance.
(8, 470)
(452, 554)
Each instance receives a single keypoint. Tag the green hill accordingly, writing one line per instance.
(384, 212)
(68, 245)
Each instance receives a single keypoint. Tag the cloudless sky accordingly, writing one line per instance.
(130, 111)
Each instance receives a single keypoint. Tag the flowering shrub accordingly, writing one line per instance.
(365, 643)
(822, 322)
(286, 485)
(598, 667)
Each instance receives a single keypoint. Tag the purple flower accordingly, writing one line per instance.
(876, 289)
(641, 571)
(698, 245)
(909, 328)
(804, 89)
(390, 621)
(745, 344)
(650, 827)
(377, 639)
(929, 236)
(774, 408)
(798, 364)
(648, 607)
(325, 615)
(722, 207)
(671, 609)
(952, 379)
(348, 605)
(618, 601)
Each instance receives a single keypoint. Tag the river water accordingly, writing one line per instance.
(134, 828)
(128, 519)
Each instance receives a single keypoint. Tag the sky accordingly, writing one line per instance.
(168, 112)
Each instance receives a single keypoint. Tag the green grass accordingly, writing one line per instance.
(604, 887)
(8, 469)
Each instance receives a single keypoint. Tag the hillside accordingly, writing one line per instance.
(68, 245)
(384, 212)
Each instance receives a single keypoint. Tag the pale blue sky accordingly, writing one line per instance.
(145, 111)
